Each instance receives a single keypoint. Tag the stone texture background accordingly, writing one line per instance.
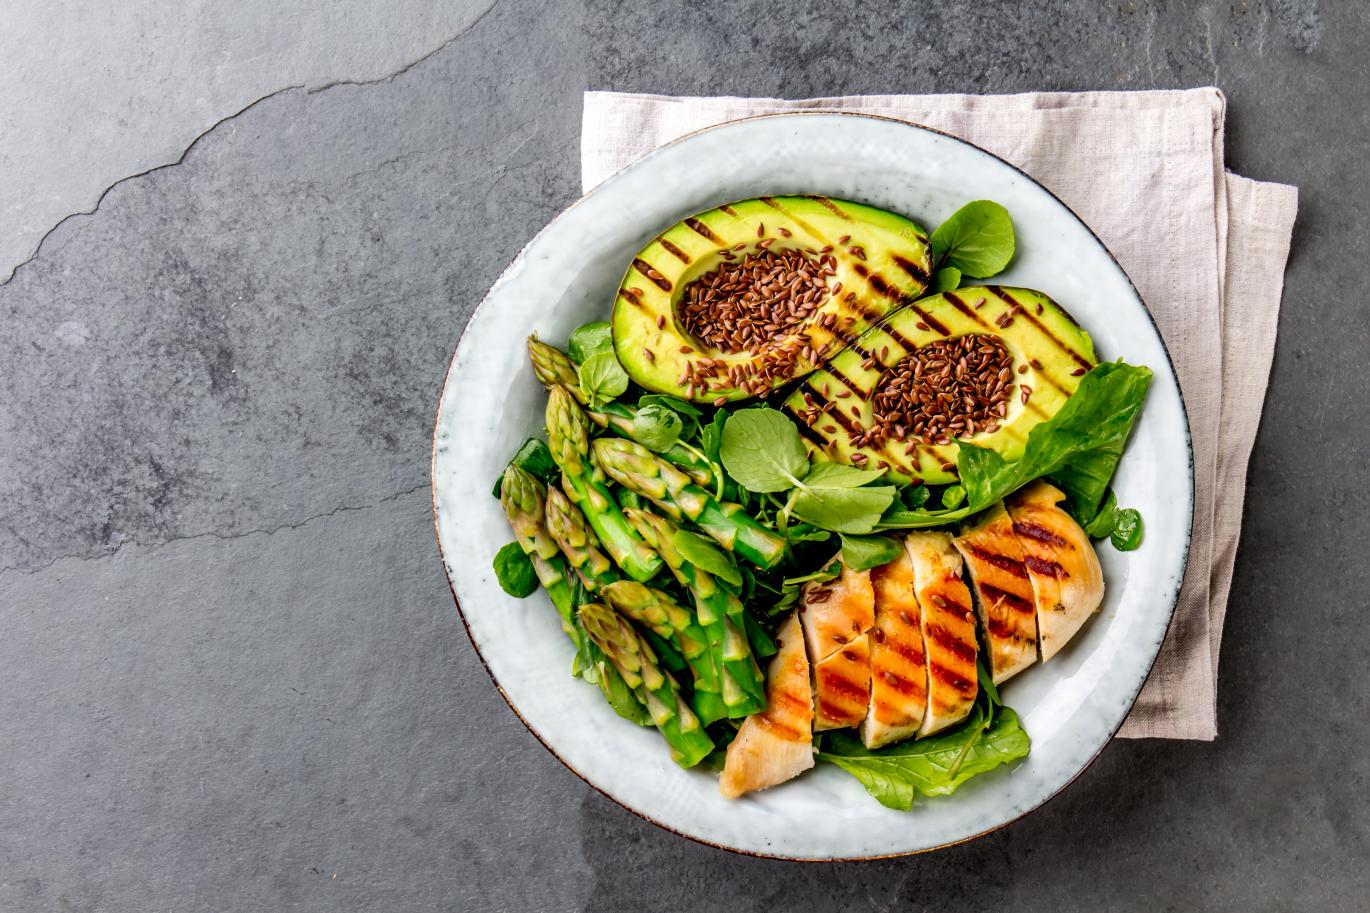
(230, 673)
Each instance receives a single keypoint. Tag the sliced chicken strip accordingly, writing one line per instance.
(842, 686)
(836, 616)
(776, 744)
(1003, 591)
(836, 612)
(948, 629)
(1067, 582)
(899, 675)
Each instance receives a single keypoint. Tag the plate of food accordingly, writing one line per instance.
(817, 487)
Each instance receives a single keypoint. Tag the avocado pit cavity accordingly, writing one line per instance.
(950, 388)
(750, 303)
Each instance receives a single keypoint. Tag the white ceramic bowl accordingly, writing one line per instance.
(567, 275)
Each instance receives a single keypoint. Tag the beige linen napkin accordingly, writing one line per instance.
(1145, 170)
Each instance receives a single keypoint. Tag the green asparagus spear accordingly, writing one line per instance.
(634, 660)
(720, 612)
(553, 368)
(568, 528)
(638, 469)
(670, 620)
(522, 496)
(568, 436)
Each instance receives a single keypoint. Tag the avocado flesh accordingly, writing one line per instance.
(894, 271)
(1041, 331)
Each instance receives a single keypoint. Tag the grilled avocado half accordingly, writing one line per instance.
(1049, 352)
(880, 261)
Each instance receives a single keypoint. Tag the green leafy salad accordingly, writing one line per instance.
(808, 497)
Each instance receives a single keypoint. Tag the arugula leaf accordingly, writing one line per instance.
(535, 458)
(703, 554)
(602, 378)
(656, 427)
(861, 553)
(934, 766)
(947, 279)
(762, 450)
(831, 571)
(590, 339)
(831, 497)
(1079, 448)
(977, 239)
(1127, 530)
(514, 570)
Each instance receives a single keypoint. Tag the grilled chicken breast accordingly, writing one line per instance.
(948, 629)
(836, 616)
(899, 675)
(1003, 592)
(776, 744)
(1067, 582)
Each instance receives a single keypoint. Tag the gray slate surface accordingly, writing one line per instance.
(231, 677)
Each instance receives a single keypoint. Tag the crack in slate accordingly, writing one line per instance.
(38, 248)
(260, 531)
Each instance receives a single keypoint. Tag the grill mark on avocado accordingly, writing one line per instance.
(881, 286)
(674, 251)
(829, 204)
(628, 295)
(913, 269)
(902, 340)
(703, 231)
(965, 309)
(646, 269)
(1026, 314)
(771, 202)
(728, 209)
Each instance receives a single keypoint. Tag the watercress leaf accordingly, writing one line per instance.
(787, 600)
(590, 339)
(953, 496)
(947, 279)
(656, 427)
(844, 510)
(977, 239)
(934, 766)
(535, 458)
(762, 450)
(1100, 526)
(861, 553)
(1127, 530)
(674, 403)
(703, 554)
(602, 378)
(1079, 448)
(514, 570)
(839, 475)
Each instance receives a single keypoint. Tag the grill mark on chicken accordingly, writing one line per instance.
(951, 643)
(952, 679)
(1045, 567)
(1002, 562)
(835, 682)
(1017, 603)
(1038, 533)
(781, 729)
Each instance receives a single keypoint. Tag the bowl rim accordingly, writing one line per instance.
(807, 113)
